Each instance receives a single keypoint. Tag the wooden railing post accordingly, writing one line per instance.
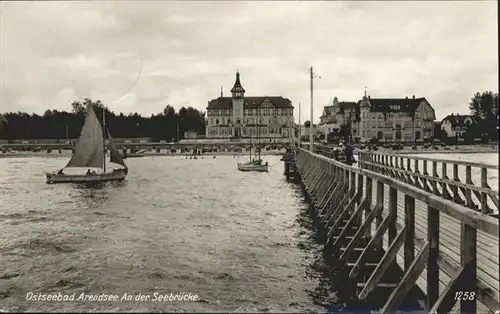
(426, 173)
(454, 188)
(368, 199)
(484, 196)
(417, 171)
(444, 186)
(435, 175)
(468, 260)
(378, 217)
(409, 245)
(468, 192)
(393, 212)
(432, 260)
(359, 190)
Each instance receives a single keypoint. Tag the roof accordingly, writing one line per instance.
(347, 105)
(328, 110)
(459, 120)
(407, 105)
(250, 102)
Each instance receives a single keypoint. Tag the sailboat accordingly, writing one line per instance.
(90, 152)
(254, 164)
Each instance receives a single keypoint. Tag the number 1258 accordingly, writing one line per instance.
(465, 295)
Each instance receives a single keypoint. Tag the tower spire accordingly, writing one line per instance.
(238, 91)
(221, 92)
(365, 90)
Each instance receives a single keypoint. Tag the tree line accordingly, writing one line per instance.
(54, 124)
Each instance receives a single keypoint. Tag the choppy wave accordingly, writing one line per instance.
(241, 241)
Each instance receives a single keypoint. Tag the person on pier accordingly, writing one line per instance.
(349, 156)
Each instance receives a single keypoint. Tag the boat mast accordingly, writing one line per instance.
(104, 136)
(250, 147)
(258, 145)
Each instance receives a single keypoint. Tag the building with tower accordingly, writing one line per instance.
(240, 116)
(338, 114)
(385, 119)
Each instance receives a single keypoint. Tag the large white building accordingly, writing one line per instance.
(241, 116)
(385, 119)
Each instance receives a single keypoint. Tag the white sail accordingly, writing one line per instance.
(115, 156)
(89, 151)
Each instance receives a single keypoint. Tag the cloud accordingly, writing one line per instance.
(140, 56)
(64, 98)
(180, 19)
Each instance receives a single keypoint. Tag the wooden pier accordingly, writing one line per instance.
(379, 225)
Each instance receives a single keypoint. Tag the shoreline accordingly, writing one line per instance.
(68, 154)
(456, 151)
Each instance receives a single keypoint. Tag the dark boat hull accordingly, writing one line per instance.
(118, 175)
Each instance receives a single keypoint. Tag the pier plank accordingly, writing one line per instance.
(449, 245)
(444, 279)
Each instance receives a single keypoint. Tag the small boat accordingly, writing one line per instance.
(254, 165)
(90, 152)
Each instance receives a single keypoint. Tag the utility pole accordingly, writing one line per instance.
(177, 133)
(311, 124)
(300, 129)
(104, 137)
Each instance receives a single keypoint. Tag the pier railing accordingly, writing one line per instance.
(465, 183)
(447, 249)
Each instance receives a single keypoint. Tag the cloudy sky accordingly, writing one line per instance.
(141, 56)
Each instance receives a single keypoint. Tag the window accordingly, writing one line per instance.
(216, 121)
